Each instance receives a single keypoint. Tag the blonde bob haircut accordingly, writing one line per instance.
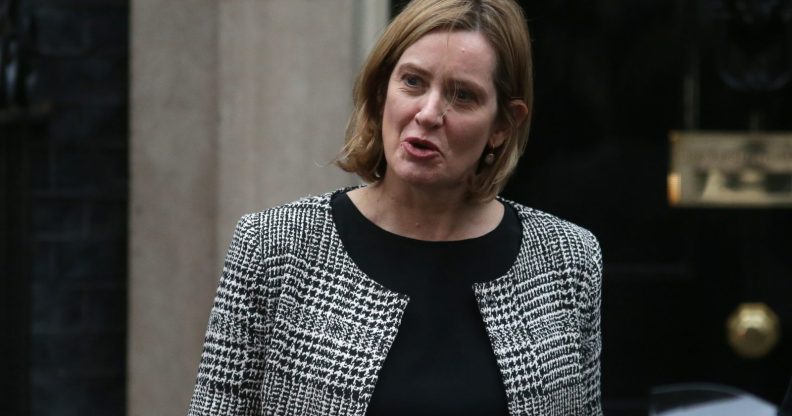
(502, 23)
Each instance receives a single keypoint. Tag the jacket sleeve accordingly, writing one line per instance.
(232, 364)
(592, 342)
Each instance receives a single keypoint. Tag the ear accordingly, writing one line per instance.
(519, 111)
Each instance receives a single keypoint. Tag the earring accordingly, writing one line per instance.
(489, 159)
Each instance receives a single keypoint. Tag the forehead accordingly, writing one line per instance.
(464, 54)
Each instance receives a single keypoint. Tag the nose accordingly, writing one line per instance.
(432, 112)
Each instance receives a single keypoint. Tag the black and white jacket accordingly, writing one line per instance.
(297, 329)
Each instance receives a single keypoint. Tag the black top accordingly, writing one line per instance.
(441, 361)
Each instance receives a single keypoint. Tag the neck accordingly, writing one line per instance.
(432, 215)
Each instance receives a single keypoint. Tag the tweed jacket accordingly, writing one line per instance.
(297, 329)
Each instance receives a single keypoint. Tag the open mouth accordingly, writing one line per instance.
(421, 145)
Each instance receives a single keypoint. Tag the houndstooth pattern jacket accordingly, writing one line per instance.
(297, 329)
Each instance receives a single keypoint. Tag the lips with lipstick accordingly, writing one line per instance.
(420, 148)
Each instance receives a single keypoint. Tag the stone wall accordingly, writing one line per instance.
(236, 106)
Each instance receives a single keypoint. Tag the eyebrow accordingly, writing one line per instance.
(410, 67)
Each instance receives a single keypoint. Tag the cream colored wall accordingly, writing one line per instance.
(237, 105)
(173, 172)
(299, 57)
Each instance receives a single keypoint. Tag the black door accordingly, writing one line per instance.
(613, 78)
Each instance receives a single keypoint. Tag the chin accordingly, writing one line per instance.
(418, 180)
(428, 180)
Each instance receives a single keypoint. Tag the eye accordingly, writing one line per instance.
(464, 95)
(412, 81)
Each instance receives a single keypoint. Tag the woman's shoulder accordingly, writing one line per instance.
(302, 215)
(537, 218)
(318, 203)
(556, 231)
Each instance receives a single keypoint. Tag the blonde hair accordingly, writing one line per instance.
(502, 23)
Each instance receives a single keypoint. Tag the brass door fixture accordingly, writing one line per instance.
(753, 330)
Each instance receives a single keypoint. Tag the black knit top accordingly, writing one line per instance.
(441, 361)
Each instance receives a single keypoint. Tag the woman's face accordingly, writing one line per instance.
(440, 110)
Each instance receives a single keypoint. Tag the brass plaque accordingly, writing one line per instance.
(730, 169)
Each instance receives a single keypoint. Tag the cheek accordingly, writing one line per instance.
(395, 116)
(472, 136)
(388, 129)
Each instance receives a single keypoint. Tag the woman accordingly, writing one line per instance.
(421, 293)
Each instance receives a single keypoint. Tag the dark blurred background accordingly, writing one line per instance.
(610, 85)
(613, 78)
(63, 215)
